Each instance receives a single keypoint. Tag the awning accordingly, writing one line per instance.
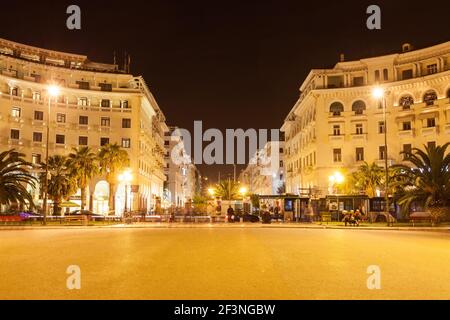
(69, 204)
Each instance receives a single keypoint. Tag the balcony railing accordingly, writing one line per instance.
(430, 131)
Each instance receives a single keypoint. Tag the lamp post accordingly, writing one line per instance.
(125, 177)
(380, 95)
(52, 91)
(336, 179)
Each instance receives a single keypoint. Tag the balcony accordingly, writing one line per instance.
(406, 133)
(430, 131)
(38, 123)
(336, 138)
(447, 128)
(359, 136)
(16, 119)
(36, 144)
(17, 142)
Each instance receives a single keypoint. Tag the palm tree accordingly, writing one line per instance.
(83, 165)
(112, 159)
(61, 183)
(227, 190)
(426, 180)
(14, 179)
(368, 177)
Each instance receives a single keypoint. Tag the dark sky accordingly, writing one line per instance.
(231, 64)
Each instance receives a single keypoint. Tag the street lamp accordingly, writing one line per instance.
(211, 192)
(243, 191)
(380, 95)
(125, 177)
(336, 179)
(53, 91)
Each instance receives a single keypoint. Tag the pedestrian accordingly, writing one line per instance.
(357, 217)
(230, 214)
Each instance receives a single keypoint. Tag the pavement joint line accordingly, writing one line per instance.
(224, 226)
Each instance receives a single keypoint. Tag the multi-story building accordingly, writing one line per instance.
(182, 176)
(337, 124)
(264, 175)
(97, 104)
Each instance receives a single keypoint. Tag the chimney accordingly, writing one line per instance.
(341, 57)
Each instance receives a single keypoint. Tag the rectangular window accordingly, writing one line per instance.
(381, 127)
(358, 81)
(336, 130)
(14, 91)
(84, 85)
(83, 101)
(407, 74)
(83, 120)
(126, 123)
(105, 122)
(35, 158)
(359, 154)
(104, 141)
(60, 139)
(37, 136)
(39, 115)
(337, 155)
(105, 87)
(124, 104)
(407, 150)
(377, 75)
(431, 122)
(15, 134)
(385, 74)
(381, 152)
(82, 141)
(36, 96)
(432, 68)
(16, 112)
(406, 125)
(359, 128)
(105, 103)
(126, 143)
(61, 117)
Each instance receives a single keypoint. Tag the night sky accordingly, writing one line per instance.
(231, 64)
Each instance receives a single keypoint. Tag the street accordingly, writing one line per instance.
(223, 263)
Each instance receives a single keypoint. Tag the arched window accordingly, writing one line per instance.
(336, 108)
(406, 102)
(429, 97)
(358, 107)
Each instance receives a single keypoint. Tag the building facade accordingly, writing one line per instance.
(182, 176)
(97, 104)
(264, 175)
(337, 124)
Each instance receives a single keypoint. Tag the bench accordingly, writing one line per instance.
(76, 218)
(325, 217)
(420, 217)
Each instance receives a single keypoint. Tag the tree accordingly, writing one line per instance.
(112, 159)
(368, 177)
(228, 190)
(61, 183)
(200, 203)
(83, 165)
(14, 179)
(425, 180)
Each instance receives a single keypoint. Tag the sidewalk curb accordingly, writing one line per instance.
(224, 226)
